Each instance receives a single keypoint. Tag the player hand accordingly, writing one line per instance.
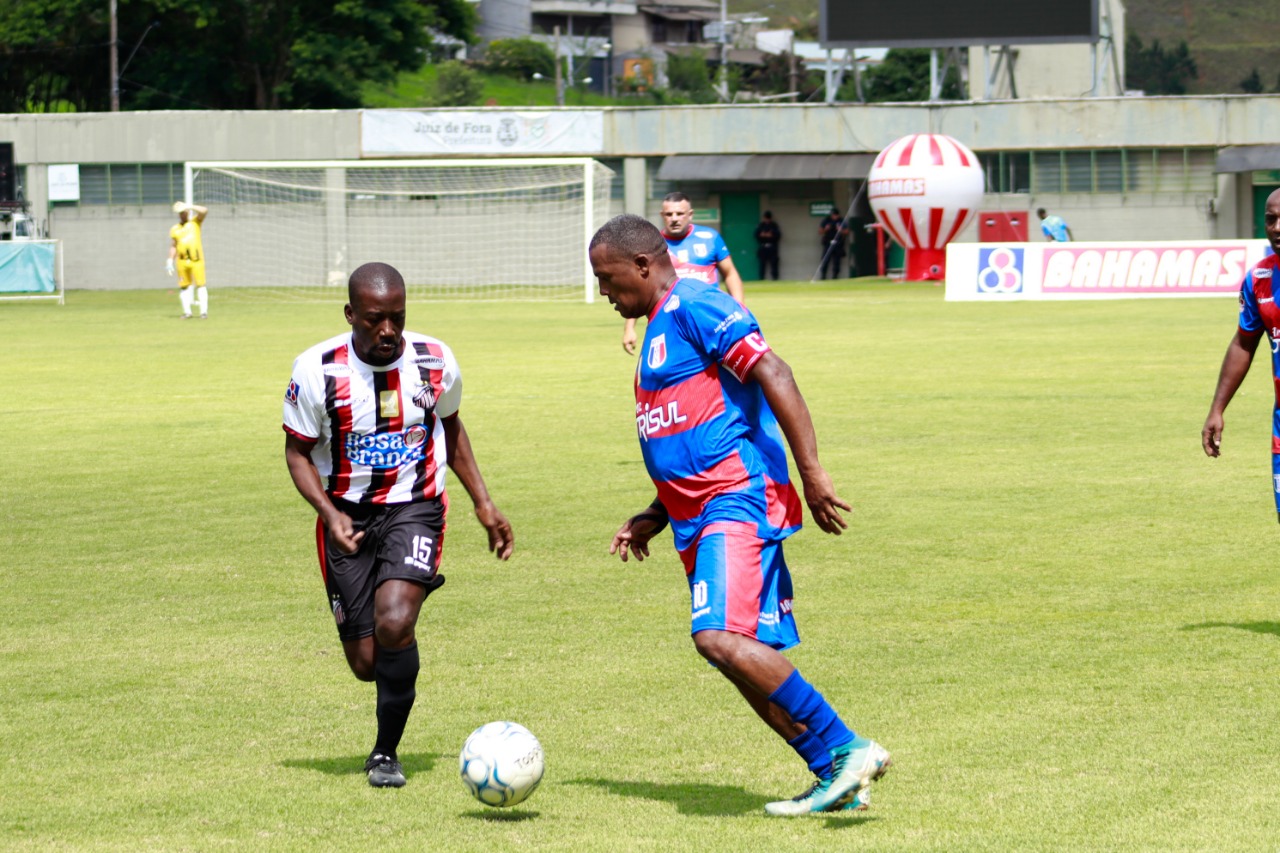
(1211, 436)
(634, 535)
(501, 540)
(629, 341)
(169, 266)
(343, 533)
(825, 504)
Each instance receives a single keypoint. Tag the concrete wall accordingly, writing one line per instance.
(125, 246)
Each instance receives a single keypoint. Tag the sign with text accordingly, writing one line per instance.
(1001, 271)
(393, 133)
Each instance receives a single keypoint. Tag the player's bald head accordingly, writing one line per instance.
(1274, 198)
(630, 235)
(373, 278)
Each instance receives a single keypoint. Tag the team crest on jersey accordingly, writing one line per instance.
(291, 394)
(657, 352)
(425, 398)
(389, 403)
(415, 435)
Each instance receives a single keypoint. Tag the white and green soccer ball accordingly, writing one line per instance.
(501, 763)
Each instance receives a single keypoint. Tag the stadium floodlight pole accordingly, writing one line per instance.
(724, 50)
(559, 72)
(115, 58)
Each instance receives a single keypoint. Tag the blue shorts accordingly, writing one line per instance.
(739, 583)
(1275, 478)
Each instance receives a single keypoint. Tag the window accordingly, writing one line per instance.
(130, 183)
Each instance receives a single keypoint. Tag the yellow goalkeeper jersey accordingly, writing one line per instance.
(187, 238)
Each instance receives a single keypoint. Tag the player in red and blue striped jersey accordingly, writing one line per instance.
(714, 405)
(697, 252)
(1259, 315)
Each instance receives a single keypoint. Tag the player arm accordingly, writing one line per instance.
(634, 534)
(732, 281)
(780, 389)
(200, 212)
(462, 461)
(1235, 366)
(306, 479)
(629, 336)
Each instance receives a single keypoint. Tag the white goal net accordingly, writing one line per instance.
(513, 229)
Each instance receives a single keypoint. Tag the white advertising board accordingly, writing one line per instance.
(391, 133)
(1009, 271)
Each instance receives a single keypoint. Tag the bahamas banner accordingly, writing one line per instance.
(1004, 271)
(391, 133)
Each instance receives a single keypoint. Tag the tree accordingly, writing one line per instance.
(520, 58)
(1253, 83)
(457, 86)
(690, 75)
(776, 75)
(219, 54)
(1155, 70)
(902, 76)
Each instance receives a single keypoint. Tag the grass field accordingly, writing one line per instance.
(1050, 606)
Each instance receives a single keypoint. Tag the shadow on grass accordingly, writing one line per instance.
(500, 816)
(1272, 628)
(689, 798)
(413, 762)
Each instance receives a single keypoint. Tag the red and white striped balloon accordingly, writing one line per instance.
(924, 189)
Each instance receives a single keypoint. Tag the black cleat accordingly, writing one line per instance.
(384, 771)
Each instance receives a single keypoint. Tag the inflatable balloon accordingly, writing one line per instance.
(924, 189)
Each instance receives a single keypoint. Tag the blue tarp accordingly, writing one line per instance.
(27, 267)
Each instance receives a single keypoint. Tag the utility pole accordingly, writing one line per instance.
(559, 73)
(723, 85)
(115, 60)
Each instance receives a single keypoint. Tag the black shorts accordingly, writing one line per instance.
(401, 542)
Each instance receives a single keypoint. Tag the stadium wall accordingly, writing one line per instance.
(123, 245)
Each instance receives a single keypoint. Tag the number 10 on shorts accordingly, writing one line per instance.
(423, 550)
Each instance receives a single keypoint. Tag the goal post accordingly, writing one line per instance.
(31, 269)
(494, 229)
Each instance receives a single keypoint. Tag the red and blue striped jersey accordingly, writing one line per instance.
(696, 254)
(1259, 313)
(710, 442)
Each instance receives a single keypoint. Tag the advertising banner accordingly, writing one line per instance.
(391, 133)
(1003, 271)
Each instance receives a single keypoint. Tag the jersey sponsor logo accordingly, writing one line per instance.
(727, 322)
(386, 450)
(336, 370)
(706, 235)
(672, 304)
(291, 394)
(683, 256)
(1263, 273)
(657, 352)
(335, 604)
(423, 552)
(651, 420)
(1264, 300)
(697, 274)
(389, 403)
(700, 250)
(431, 362)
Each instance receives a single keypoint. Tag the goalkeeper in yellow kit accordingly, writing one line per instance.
(186, 256)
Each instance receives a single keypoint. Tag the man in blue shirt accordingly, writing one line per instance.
(1054, 227)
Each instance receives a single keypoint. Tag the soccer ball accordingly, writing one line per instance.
(501, 763)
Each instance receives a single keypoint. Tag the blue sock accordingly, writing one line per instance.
(814, 752)
(807, 707)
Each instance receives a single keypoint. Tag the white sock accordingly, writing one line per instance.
(202, 296)
(184, 294)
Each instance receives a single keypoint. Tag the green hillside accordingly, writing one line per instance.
(1228, 38)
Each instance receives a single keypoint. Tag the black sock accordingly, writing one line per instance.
(395, 673)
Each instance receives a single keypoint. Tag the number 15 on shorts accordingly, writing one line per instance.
(423, 554)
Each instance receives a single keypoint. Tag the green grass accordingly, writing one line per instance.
(417, 89)
(1053, 609)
